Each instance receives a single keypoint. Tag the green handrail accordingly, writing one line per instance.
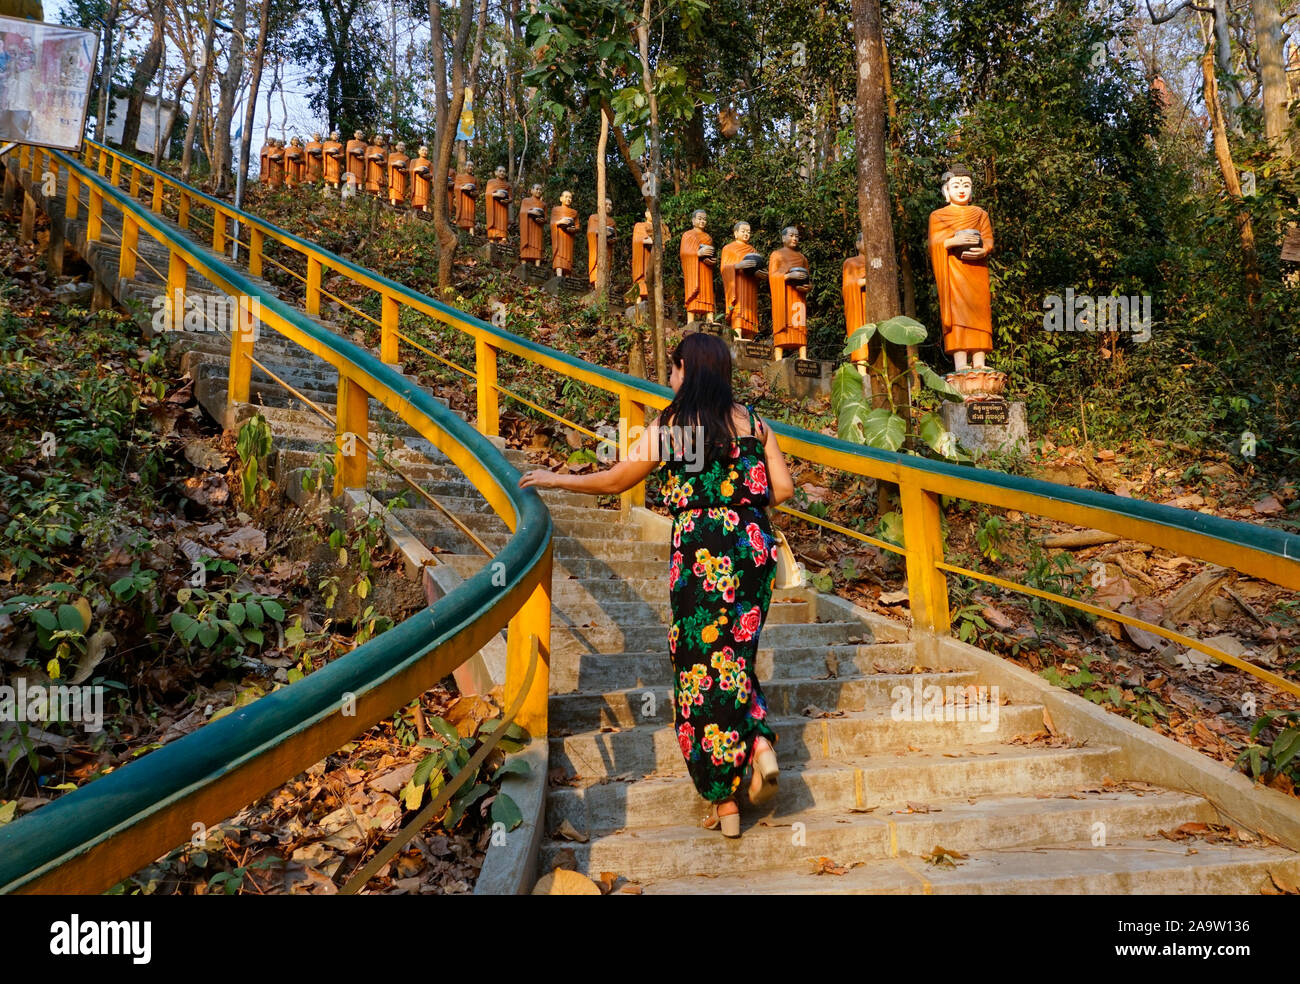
(1277, 543)
(93, 815)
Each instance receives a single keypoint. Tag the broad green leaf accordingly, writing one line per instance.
(890, 528)
(209, 633)
(506, 811)
(902, 330)
(936, 382)
(273, 609)
(859, 339)
(70, 619)
(884, 429)
(443, 727)
(514, 766)
(235, 612)
(254, 612)
(45, 619)
(937, 436)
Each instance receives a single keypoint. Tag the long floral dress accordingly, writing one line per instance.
(721, 577)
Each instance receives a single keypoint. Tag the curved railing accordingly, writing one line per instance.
(1258, 551)
(97, 835)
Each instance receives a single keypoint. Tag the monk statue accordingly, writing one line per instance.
(376, 165)
(697, 268)
(313, 153)
(294, 163)
(466, 200)
(397, 162)
(593, 238)
(264, 175)
(421, 185)
(276, 161)
(788, 279)
(564, 227)
(643, 244)
(532, 220)
(961, 240)
(740, 266)
(854, 288)
(498, 206)
(356, 156)
(332, 162)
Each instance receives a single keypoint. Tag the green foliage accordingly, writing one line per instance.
(1281, 757)
(253, 446)
(449, 754)
(223, 618)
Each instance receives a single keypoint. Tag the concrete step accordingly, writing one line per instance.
(1139, 867)
(588, 569)
(880, 783)
(648, 854)
(570, 640)
(652, 747)
(619, 671)
(627, 708)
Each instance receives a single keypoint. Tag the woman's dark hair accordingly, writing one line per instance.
(705, 399)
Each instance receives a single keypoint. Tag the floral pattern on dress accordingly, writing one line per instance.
(721, 575)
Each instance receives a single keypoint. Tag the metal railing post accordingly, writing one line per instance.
(631, 414)
(255, 239)
(352, 425)
(390, 314)
(177, 273)
(183, 212)
(927, 585)
(532, 620)
(312, 301)
(489, 408)
(130, 239)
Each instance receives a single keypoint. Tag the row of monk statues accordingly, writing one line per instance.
(960, 243)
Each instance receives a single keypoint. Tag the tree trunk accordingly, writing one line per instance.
(229, 89)
(448, 113)
(143, 75)
(1223, 153)
(1272, 74)
(259, 60)
(106, 73)
(200, 90)
(650, 188)
(602, 244)
(889, 362)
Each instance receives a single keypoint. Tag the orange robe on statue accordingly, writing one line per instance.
(421, 186)
(562, 237)
(376, 164)
(741, 289)
(498, 210)
(789, 301)
(332, 162)
(466, 199)
(530, 229)
(855, 301)
(593, 242)
(356, 158)
(697, 273)
(397, 177)
(264, 175)
(293, 169)
(965, 307)
(275, 163)
(314, 151)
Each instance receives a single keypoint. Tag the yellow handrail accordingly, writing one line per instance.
(921, 482)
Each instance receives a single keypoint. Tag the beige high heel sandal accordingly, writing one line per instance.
(729, 822)
(768, 771)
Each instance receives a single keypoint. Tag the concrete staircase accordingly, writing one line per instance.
(870, 795)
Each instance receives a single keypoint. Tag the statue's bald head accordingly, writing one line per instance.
(957, 184)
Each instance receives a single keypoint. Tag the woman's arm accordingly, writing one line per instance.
(642, 459)
(778, 473)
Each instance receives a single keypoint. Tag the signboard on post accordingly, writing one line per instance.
(45, 76)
